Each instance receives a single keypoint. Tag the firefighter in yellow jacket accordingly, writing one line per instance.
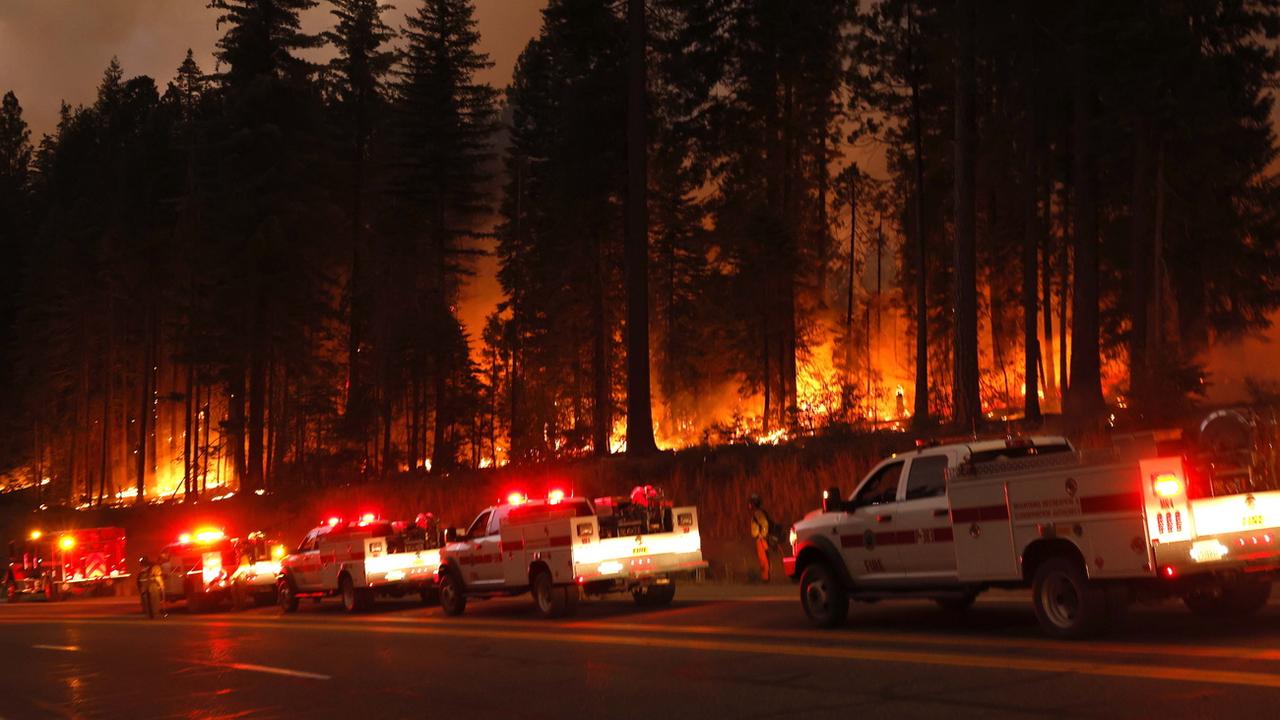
(151, 588)
(761, 534)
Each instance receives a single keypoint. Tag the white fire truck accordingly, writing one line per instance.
(1088, 531)
(358, 560)
(560, 548)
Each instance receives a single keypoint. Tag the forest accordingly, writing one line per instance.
(712, 220)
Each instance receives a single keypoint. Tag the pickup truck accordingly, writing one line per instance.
(561, 548)
(358, 560)
(1088, 532)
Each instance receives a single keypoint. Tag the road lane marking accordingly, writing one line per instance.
(913, 657)
(250, 667)
(825, 636)
(63, 648)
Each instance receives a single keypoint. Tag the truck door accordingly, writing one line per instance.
(868, 538)
(305, 565)
(478, 557)
(925, 513)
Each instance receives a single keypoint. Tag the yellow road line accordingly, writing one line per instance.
(977, 662)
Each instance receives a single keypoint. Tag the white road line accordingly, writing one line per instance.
(63, 648)
(274, 670)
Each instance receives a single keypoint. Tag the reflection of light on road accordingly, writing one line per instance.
(63, 648)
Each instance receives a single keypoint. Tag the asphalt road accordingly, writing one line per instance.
(716, 653)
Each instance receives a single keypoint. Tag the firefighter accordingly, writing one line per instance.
(761, 533)
(151, 588)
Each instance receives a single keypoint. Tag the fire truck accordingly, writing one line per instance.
(359, 560)
(198, 567)
(69, 562)
(561, 548)
(1151, 517)
(253, 582)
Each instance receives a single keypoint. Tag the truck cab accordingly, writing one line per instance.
(895, 528)
(197, 568)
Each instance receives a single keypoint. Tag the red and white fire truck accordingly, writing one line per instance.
(69, 562)
(560, 548)
(209, 569)
(358, 560)
(1089, 532)
(197, 568)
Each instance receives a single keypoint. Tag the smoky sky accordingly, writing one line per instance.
(56, 50)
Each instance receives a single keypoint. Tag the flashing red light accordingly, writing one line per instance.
(1168, 571)
(515, 498)
(1166, 485)
(367, 518)
(555, 497)
(333, 521)
(184, 538)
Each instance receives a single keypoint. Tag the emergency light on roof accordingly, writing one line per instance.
(333, 521)
(516, 498)
(367, 518)
(555, 497)
(184, 538)
(36, 534)
(208, 536)
(66, 542)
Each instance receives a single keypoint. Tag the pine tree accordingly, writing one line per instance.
(444, 126)
(358, 76)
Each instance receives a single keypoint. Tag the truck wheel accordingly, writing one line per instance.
(453, 597)
(654, 595)
(285, 596)
(1067, 604)
(824, 598)
(553, 601)
(354, 599)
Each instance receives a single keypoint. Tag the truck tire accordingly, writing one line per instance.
(354, 599)
(654, 595)
(453, 597)
(553, 600)
(1068, 605)
(286, 598)
(824, 598)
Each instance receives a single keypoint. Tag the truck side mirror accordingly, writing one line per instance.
(831, 500)
(451, 535)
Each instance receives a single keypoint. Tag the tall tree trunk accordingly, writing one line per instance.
(1030, 278)
(849, 353)
(1031, 236)
(1046, 281)
(1084, 397)
(966, 403)
(144, 412)
(188, 438)
(1064, 294)
(1155, 328)
(639, 403)
(257, 397)
(601, 400)
(920, 416)
(1139, 266)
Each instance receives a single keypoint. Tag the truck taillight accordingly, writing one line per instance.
(1166, 485)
